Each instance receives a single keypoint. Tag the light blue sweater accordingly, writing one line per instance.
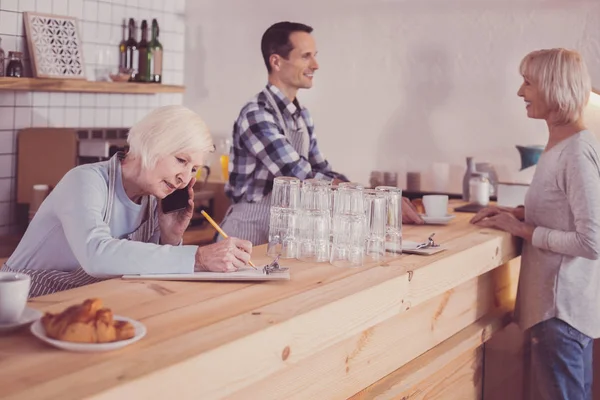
(68, 231)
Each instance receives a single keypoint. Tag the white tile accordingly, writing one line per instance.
(7, 98)
(115, 118)
(179, 6)
(41, 98)
(6, 189)
(60, 7)
(10, 5)
(44, 6)
(86, 117)
(7, 162)
(141, 101)
(56, 117)
(116, 34)
(57, 99)
(72, 119)
(39, 117)
(24, 98)
(177, 98)
(22, 117)
(157, 5)
(9, 23)
(88, 99)
(140, 113)
(153, 101)
(105, 13)
(76, 8)
(7, 142)
(132, 3)
(89, 53)
(129, 101)
(89, 72)
(73, 99)
(118, 15)
(102, 100)
(26, 5)
(90, 10)
(8, 43)
(115, 100)
(101, 117)
(88, 34)
(104, 32)
(7, 118)
(129, 118)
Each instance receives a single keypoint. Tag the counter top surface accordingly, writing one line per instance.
(214, 339)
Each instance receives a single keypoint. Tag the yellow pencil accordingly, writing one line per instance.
(218, 228)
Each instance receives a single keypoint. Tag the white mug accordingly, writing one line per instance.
(14, 290)
(436, 205)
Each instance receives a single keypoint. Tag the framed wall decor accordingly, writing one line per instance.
(55, 48)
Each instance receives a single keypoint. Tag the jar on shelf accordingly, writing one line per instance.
(14, 68)
(479, 188)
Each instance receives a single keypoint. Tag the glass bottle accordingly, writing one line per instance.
(14, 68)
(155, 55)
(2, 56)
(123, 48)
(143, 74)
(132, 51)
(479, 189)
(470, 170)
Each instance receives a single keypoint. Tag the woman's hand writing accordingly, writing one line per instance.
(228, 255)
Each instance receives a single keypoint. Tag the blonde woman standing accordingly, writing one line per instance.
(558, 298)
(105, 219)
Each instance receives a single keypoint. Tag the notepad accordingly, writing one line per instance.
(409, 247)
(245, 274)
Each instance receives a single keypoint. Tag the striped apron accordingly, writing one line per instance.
(250, 221)
(45, 281)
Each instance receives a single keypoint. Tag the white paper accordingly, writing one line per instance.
(245, 274)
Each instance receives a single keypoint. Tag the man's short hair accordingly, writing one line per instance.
(276, 40)
(562, 77)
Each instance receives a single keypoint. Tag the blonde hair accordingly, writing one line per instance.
(166, 131)
(563, 79)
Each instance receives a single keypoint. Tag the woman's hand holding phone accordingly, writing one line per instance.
(173, 224)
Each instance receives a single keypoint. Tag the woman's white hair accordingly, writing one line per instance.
(166, 131)
(563, 79)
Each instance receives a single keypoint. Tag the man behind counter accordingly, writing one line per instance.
(274, 135)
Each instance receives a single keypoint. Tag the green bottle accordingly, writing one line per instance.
(155, 55)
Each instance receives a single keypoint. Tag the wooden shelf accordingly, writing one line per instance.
(79, 85)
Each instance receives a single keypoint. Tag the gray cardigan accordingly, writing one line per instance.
(560, 269)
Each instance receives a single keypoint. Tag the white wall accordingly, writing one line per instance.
(403, 83)
(100, 28)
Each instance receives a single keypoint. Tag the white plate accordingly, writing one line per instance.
(438, 220)
(29, 315)
(140, 331)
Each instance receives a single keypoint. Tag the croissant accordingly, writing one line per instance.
(87, 323)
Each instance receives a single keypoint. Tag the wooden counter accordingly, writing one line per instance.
(413, 324)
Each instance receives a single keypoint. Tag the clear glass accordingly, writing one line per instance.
(348, 226)
(393, 221)
(313, 235)
(375, 207)
(285, 202)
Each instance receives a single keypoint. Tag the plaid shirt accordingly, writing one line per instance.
(260, 151)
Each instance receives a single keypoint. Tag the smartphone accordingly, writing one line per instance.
(176, 201)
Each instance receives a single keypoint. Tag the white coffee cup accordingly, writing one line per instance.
(14, 290)
(436, 205)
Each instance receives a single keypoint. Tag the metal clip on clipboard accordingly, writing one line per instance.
(274, 267)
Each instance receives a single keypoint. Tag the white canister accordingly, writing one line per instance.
(479, 189)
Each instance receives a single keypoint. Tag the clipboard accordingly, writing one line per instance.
(242, 275)
(409, 247)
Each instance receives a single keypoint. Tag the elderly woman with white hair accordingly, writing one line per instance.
(105, 219)
(558, 298)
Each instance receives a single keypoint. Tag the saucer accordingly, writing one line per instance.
(29, 315)
(438, 220)
(140, 331)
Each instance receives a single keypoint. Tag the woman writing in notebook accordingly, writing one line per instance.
(105, 219)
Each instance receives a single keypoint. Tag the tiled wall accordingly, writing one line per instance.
(100, 28)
